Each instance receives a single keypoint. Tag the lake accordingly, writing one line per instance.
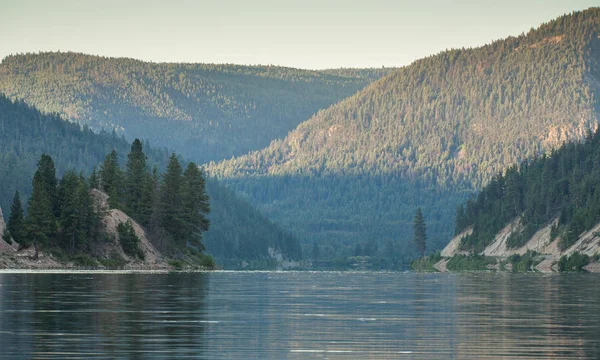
(299, 315)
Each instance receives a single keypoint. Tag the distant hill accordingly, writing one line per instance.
(238, 231)
(427, 135)
(203, 111)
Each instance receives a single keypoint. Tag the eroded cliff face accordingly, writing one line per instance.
(541, 242)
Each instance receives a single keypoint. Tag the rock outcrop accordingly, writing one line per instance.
(541, 242)
(112, 218)
(454, 245)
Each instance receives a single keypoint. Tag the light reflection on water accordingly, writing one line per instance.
(299, 315)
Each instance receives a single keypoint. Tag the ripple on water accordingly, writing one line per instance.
(299, 315)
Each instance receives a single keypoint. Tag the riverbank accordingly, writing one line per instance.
(541, 253)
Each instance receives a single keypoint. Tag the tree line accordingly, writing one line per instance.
(563, 186)
(202, 111)
(238, 232)
(63, 212)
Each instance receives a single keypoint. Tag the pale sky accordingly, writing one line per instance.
(313, 34)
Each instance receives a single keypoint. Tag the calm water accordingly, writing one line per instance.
(299, 315)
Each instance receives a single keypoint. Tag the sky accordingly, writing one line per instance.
(311, 34)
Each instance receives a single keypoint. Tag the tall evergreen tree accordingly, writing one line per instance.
(69, 220)
(195, 204)
(172, 217)
(420, 238)
(149, 193)
(41, 223)
(94, 182)
(111, 176)
(88, 218)
(47, 172)
(15, 228)
(135, 175)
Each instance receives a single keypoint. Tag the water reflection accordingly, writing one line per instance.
(274, 315)
(130, 316)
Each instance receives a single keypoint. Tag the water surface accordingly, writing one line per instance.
(299, 315)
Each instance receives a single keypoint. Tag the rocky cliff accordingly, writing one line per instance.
(541, 242)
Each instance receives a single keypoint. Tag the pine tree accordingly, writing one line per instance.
(135, 175)
(69, 209)
(50, 182)
(94, 182)
(420, 238)
(148, 197)
(111, 176)
(172, 217)
(41, 223)
(88, 218)
(195, 205)
(15, 228)
(129, 239)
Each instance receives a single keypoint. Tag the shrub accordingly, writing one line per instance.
(575, 262)
(129, 240)
(470, 262)
(207, 261)
(84, 260)
(176, 264)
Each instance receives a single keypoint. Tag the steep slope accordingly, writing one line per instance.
(25, 134)
(559, 193)
(203, 111)
(550, 205)
(427, 135)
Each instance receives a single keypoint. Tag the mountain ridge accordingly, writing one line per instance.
(450, 121)
(203, 111)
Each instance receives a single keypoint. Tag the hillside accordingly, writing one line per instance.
(550, 205)
(427, 135)
(203, 111)
(25, 134)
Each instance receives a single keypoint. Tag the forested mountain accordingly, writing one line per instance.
(26, 133)
(427, 135)
(203, 111)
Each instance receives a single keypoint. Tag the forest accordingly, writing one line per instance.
(63, 213)
(428, 135)
(26, 134)
(563, 186)
(202, 111)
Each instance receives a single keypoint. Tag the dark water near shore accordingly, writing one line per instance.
(299, 315)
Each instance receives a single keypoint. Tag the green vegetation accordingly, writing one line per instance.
(203, 111)
(60, 215)
(427, 135)
(237, 229)
(575, 262)
(114, 262)
(64, 215)
(84, 260)
(525, 262)
(176, 264)
(426, 263)
(470, 262)
(564, 185)
(420, 238)
(16, 222)
(130, 242)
